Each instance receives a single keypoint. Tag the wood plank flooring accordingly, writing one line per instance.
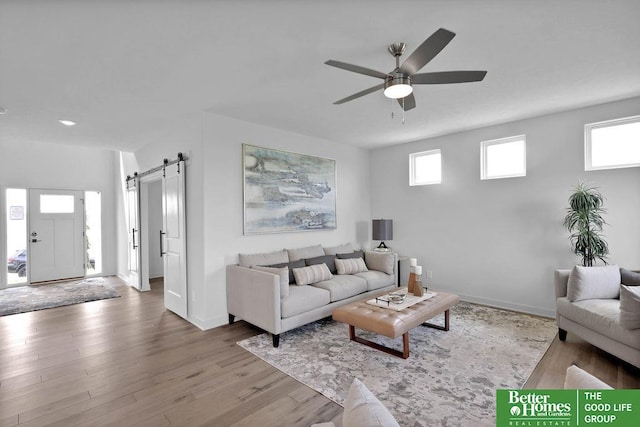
(128, 361)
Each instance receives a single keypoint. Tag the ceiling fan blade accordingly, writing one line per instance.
(427, 51)
(359, 94)
(409, 102)
(357, 69)
(443, 77)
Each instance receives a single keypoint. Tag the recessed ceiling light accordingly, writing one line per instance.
(67, 122)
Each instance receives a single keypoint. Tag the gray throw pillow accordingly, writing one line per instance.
(593, 283)
(330, 260)
(380, 261)
(629, 278)
(291, 265)
(355, 254)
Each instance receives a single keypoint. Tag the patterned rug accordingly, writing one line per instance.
(22, 299)
(450, 378)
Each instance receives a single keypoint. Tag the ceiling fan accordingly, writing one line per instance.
(398, 83)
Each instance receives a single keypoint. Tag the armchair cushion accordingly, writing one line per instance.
(593, 283)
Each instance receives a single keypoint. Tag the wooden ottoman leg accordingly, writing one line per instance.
(438, 327)
(405, 344)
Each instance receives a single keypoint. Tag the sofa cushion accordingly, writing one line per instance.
(630, 307)
(307, 252)
(302, 299)
(312, 274)
(247, 260)
(334, 250)
(350, 265)
(363, 409)
(629, 278)
(377, 279)
(291, 265)
(593, 282)
(341, 287)
(601, 316)
(354, 254)
(578, 379)
(330, 260)
(380, 261)
(283, 272)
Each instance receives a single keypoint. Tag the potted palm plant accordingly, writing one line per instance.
(584, 221)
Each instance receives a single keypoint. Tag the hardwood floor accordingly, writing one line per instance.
(128, 361)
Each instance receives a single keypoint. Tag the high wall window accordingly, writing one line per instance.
(612, 144)
(503, 158)
(425, 168)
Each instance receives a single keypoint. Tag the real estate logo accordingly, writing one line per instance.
(546, 408)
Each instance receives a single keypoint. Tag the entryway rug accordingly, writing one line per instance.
(450, 378)
(39, 297)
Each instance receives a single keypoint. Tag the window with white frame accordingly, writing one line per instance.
(503, 158)
(425, 168)
(612, 144)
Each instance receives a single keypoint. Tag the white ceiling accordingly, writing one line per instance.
(123, 69)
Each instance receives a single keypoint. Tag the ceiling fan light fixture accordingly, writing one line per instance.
(398, 87)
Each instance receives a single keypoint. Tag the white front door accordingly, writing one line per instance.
(57, 248)
(173, 239)
(133, 224)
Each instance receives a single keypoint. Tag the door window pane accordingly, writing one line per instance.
(16, 235)
(56, 203)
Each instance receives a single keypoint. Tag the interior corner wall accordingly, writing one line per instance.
(29, 164)
(498, 241)
(223, 194)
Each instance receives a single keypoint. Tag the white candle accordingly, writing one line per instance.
(413, 262)
(418, 270)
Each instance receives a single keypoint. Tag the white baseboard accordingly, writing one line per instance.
(209, 323)
(509, 306)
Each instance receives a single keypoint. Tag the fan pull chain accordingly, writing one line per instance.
(403, 111)
(392, 113)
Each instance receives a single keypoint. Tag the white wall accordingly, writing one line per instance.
(223, 207)
(498, 241)
(28, 164)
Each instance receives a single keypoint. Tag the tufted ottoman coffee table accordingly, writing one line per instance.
(391, 323)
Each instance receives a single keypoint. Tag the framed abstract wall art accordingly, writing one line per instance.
(287, 192)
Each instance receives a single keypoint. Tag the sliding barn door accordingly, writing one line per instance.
(173, 239)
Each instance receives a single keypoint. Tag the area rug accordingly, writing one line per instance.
(450, 378)
(39, 297)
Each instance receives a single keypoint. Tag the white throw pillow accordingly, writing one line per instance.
(283, 272)
(593, 283)
(363, 409)
(578, 379)
(630, 307)
(350, 265)
(312, 274)
(380, 261)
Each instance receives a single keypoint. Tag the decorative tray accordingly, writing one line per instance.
(399, 300)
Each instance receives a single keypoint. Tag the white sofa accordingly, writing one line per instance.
(595, 317)
(258, 297)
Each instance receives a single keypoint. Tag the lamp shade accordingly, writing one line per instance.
(382, 229)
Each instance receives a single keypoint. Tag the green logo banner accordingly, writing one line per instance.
(546, 408)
